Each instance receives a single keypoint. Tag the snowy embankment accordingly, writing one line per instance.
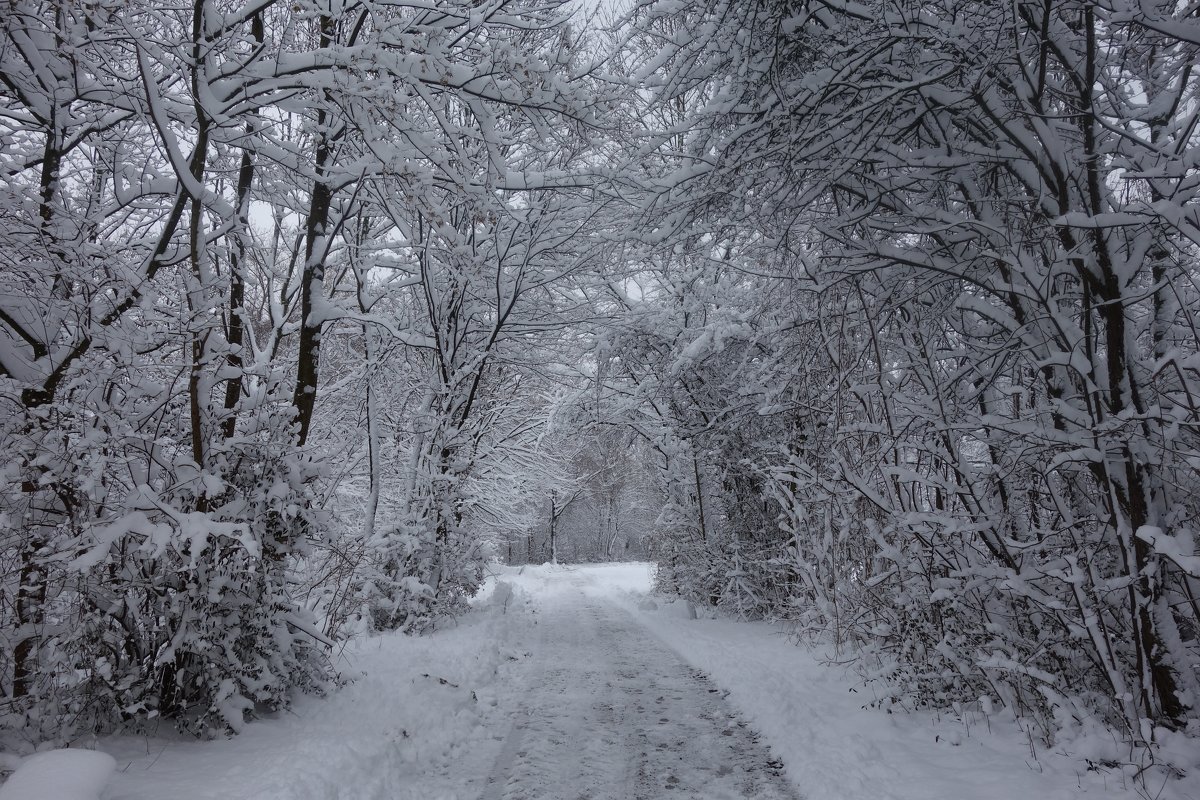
(431, 717)
(409, 726)
(59, 775)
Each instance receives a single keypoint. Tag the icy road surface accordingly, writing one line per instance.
(609, 713)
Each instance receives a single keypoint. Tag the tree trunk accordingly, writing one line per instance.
(312, 280)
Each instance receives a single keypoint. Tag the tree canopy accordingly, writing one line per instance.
(878, 317)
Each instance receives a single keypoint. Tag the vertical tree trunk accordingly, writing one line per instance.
(374, 467)
(197, 295)
(42, 506)
(553, 543)
(235, 333)
(1129, 482)
(31, 600)
(312, 279)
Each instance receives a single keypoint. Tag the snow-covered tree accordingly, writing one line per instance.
(217, 219)
(982, 218)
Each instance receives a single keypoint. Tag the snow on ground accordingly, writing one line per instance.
(602, 710)
(406, 728)
(568, 682)
(811, 714)
(59, 775)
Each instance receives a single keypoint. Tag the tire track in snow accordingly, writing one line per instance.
(603, 711)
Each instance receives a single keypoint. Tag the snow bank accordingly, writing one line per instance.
(60, 775)
(415, 723)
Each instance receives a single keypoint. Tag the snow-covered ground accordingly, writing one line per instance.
(569, 682)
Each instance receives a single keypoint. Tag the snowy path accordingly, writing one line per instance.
(567, 683)
(551, 691)
(609, 712)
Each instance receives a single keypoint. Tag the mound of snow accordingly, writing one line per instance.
(60, 775)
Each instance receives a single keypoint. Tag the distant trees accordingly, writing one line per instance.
(586, 497)
(612, 505)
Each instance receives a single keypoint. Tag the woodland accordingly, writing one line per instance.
(878, 317)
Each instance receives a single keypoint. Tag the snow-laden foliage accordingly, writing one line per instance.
(875, 316)
(257, 261)
(924, 323)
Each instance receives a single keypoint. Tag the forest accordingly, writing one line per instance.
(878, 317)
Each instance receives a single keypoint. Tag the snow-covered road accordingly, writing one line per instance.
(604, 711)
(571, 683)
(552, 690)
